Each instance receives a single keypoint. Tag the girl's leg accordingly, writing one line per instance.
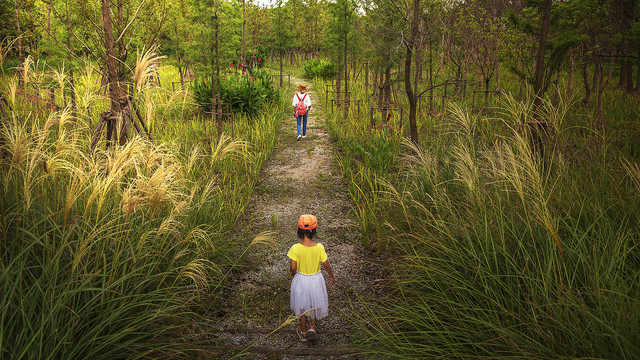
(313, 324)
(304, 125)
(303, 324)
(298, 120)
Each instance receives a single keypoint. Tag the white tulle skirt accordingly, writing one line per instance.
(309, 292)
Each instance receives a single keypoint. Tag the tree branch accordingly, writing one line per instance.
(130, 22)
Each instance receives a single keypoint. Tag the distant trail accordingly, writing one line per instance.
(301, 177)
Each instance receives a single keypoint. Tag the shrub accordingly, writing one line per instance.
(315, 68)
(247, 94)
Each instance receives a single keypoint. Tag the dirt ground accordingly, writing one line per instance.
(301, 177)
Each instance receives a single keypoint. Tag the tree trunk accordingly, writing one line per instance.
(215, 65)
(638, 77)
(538, 86)
(629, 75)
(181, 72)
(572, 66)
(20, 49)
(624, 65)
(603, 85)
(497, 74)
(281, 60)
(588, 89)
(346, 78)
(487, 80)
(387, 85)
(338, 86)
(74, 106)
(456, 87)
(48, 19)
(431, 80)
(410, 44)
(110, 58)
(244, 37)
(465, 78)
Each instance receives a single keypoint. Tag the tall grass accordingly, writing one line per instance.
(502, 255)
(115, 254)
(499, 252)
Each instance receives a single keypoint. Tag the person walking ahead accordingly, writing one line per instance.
(308, 290)
(302, 104)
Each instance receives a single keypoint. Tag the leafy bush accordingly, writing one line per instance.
(261, 55)
(247, 94)
(315, 68)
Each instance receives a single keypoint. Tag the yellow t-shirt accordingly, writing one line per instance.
(308, 259)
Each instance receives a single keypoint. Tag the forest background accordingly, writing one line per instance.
(490, 148)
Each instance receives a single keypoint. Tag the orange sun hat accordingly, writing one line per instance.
(307, 222)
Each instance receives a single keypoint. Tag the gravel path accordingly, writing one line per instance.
(301, 177)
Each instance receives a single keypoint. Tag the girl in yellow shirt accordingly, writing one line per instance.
(308, 289)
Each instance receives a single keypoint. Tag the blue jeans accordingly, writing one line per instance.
(303, 119)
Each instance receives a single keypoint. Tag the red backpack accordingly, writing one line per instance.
(300, 108)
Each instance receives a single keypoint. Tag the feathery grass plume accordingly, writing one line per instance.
(203, 193)
(124, 158)
(160, 187)
(514, 112)
(73, 192)
(527, 176)
(226, 146)
(265, 237)
(195, 155)
(198, 272)
(467, 170)
(13, 91)
(52, 120)
(129, 202)
(556, 114)
(149, 108)
(201, 239)
(60, 78)
(147, 63)
(59, 118)
(171, 228)
(466, 121)
(421, 159)
(27, 69)
(6, 45)
(18, 141)
(178, 95)
(633, 171)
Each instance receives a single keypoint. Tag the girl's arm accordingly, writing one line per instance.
(327, 267)
(294, 267)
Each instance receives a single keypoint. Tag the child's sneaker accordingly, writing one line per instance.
(311, 335)
(298, 138)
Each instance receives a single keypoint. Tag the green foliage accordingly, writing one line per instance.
(261, 55)
(323, 69)
(111, 255)
(480, 224)
(341, 24)
(247, 94)
(377, 152)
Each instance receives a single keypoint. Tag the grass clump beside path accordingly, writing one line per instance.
(499, 254)
(114, 254)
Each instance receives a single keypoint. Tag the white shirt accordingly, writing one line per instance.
(307, 101)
